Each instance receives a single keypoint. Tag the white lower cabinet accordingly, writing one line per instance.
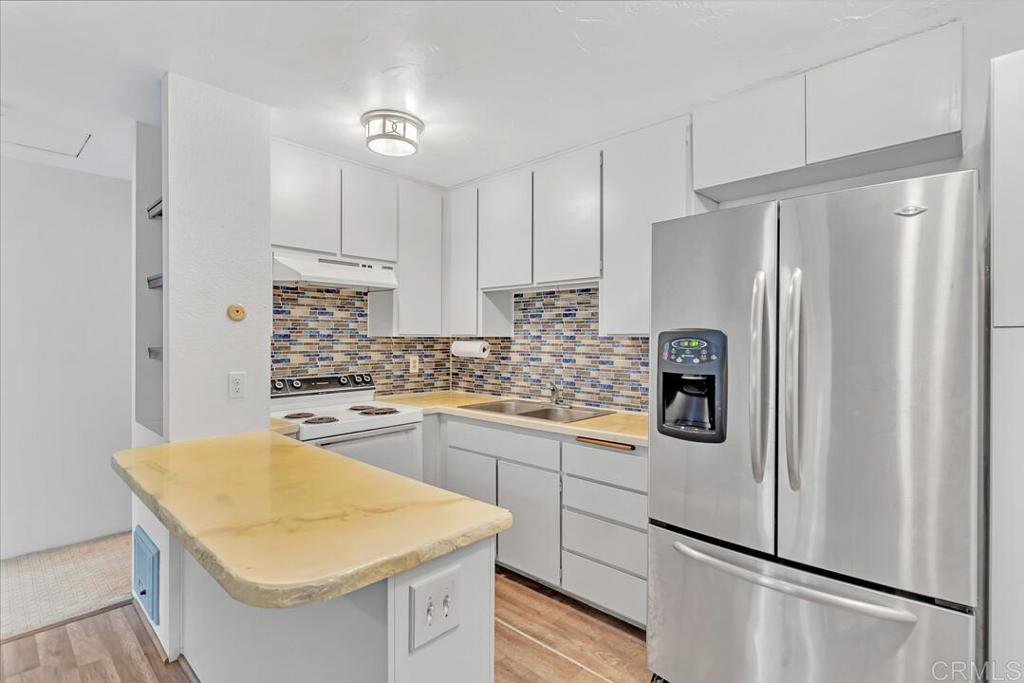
(605, 587)
(579, 511)
(532, 544)
(471, 474)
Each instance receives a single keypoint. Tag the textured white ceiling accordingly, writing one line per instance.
(497, 83)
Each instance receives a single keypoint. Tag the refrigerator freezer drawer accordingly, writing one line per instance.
(718, 616)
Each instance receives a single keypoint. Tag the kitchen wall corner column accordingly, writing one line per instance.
(216, 234)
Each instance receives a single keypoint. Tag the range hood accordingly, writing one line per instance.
(349, 274)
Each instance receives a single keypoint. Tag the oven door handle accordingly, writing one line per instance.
(367, 434)
(867, 609)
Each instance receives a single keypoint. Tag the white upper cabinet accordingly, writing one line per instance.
(567, 218)
(1007, 158)
(506, 230)
(645, 181)
(751, 134)
(369, 214)
(305, 199)
(905, 91)
(461, 294)
(421, 258)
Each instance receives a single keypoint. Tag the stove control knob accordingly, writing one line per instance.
(278, 384)
(343, 379)
(366, 378)
(359, 379)
(297, 384)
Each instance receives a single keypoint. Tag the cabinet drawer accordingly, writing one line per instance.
(626, 469)
(529, 450)
(616, 545)
(609, 588)
(597, 499)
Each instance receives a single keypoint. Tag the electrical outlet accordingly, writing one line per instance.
(414, 363)
(236, 384)
(435, 606)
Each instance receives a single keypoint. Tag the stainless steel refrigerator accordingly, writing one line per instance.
(815, 438)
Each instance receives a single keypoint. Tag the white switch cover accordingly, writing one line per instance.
(236, 384)
(414, 364)
(434, 603)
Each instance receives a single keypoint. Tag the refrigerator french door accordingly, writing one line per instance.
(857, 539)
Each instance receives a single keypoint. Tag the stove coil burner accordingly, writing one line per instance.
(379, 411)
(360, 409)
(297, 416)
(321, 420)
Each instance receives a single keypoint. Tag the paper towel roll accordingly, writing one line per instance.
(471, 349)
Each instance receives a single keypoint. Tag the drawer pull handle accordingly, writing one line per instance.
(606, 444)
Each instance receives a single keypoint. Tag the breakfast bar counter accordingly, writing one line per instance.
(278, 523)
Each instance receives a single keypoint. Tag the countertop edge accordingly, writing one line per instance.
(563, 428)
(295, 595)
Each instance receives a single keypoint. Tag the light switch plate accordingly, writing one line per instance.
(435, 606)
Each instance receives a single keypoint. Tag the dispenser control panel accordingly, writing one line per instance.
(689, 350)
(692, 384)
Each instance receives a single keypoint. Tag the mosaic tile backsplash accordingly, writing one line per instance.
(555, 340)
(320, 330)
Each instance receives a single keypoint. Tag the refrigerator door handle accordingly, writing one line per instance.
(793, 380)
(867, 609)
(757, 446)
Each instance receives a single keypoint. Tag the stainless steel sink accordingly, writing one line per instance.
(560, 414)
(512, 406)
(538, 410)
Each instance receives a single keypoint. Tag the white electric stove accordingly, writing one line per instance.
(339, 413)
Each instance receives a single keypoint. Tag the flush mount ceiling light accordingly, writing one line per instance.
(391, 132)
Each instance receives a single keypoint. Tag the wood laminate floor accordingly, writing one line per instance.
(539, 636)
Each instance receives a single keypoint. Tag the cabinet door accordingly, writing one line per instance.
(1007, 142)
(646, 180)
(305, 199)
(460, 247)
(749, 135)
(907, 90)
(369, 214)
(567, 218)
(420, 258)
(1007, 505)
(533, 543)
(471, 474)
(506, 230)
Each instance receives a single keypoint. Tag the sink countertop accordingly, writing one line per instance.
(620, 426)
(279, 523)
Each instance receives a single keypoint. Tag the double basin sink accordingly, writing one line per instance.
(537, 410)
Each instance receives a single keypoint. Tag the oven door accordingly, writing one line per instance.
(398, 449)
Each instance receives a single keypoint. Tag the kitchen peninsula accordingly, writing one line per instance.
(384, 578)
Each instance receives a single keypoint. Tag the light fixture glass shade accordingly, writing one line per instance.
(391, 132)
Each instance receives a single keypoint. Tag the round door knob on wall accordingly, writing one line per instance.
(236, 312)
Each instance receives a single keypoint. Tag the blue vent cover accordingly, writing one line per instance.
(146, 561)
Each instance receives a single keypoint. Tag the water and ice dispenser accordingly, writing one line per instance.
(692, 384)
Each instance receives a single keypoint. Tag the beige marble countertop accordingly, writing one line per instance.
(620, 426)
(286, 427)
(279, 523)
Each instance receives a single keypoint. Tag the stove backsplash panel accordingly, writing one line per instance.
(322, 330)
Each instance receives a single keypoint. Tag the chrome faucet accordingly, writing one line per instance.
(556, 393)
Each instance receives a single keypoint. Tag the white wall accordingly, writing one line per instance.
(216, 152)
(65, 356)
(147, 185)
